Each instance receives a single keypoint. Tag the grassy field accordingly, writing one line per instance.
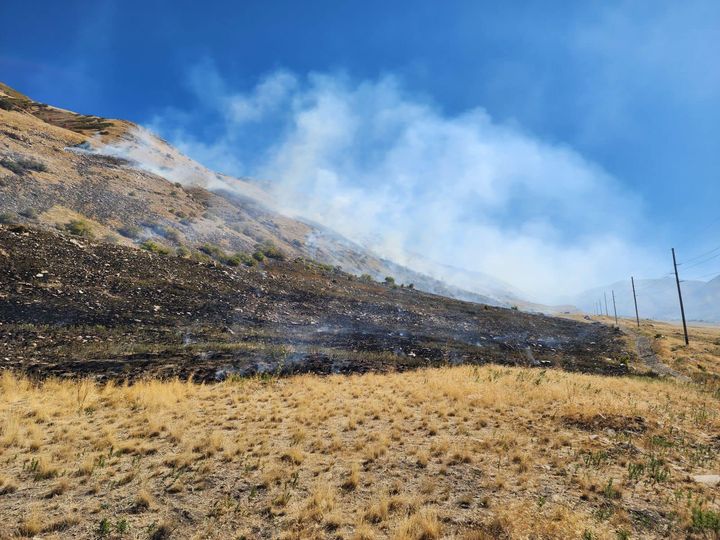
(463, 452)
(700, 360)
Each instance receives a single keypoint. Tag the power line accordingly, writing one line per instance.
(716, 273)
(701, 255)
(703, 261)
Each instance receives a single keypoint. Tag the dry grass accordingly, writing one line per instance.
(461, 452)
(700, 360)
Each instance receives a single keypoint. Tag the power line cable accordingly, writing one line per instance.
(703, 261)
(716, 273)
(701, 255)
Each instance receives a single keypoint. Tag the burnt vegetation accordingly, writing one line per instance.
(85, 308)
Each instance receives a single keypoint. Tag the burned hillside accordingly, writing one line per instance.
(71, 307)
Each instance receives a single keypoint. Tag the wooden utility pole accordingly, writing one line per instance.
(637, 316)
(607, 314)
(615, 309)
(682, 309)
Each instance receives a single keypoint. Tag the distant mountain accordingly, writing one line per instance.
(658, 299)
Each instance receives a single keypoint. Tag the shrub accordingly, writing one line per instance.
(271, 251)
(199, 256)
(11, 165)
(233, 260)
(31, 164)
(705, 520)
(240, 258)
(21, 164)
(214, 251)
(7, 218)
(155, 247)
(182, 251)
(259, 256)
(367, 278)
(129, 231)
(29, 213)
(170, 234)
(389, 280)
(78, 227)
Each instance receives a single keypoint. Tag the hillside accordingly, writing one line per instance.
(72, 306)
(129, 186)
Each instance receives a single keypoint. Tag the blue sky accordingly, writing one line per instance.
(625, 94)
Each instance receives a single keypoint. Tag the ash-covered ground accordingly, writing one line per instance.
(69, 307)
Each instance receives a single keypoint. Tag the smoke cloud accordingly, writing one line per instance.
(392, 171)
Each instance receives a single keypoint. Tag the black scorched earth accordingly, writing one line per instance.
(69, 307)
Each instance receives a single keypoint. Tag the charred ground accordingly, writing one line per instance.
(70, 307)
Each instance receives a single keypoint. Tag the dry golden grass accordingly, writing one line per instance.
(460, 452)
(700, 360)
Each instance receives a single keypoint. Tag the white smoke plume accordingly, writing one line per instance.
(393, 172)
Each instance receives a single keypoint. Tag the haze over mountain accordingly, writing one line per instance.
(658, 299)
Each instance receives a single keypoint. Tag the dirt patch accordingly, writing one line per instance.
(600, 422)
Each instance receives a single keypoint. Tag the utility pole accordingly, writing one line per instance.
(607, 314)
(682, 309)
(615, 309)
(632, 280)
